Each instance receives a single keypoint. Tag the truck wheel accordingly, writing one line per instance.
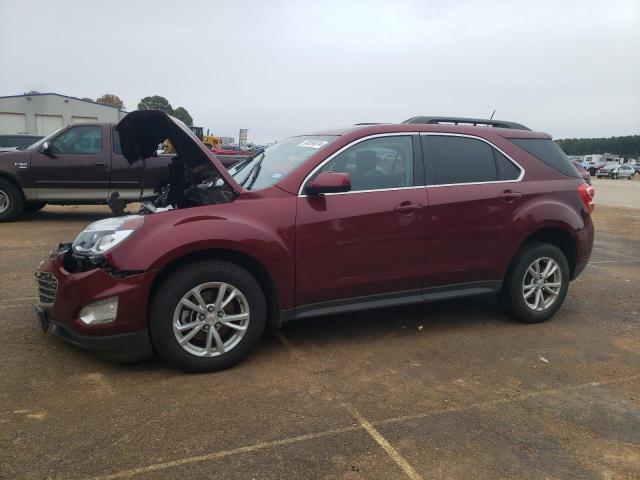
(34, 206)
(536, 284)
(207, 316)
(11, 201)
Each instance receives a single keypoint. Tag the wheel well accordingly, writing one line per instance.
(15, 184)
(247, 262)
(561, 239)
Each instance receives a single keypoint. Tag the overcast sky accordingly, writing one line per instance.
(282, 68)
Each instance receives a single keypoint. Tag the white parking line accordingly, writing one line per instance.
(221, 454)
(311, 436)
(364, 423)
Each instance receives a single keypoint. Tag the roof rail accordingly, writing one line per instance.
(482, 122)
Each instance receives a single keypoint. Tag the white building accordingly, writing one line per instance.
(43, 113)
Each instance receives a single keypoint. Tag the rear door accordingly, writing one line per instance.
(370, 240)
(473, 192)
(77, 169)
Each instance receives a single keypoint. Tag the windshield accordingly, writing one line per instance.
(36, 145)
(610, 167)
(277, 161)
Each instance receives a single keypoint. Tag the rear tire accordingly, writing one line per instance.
(190, 296)
(533, 298)
(34, 206)
(11, 201)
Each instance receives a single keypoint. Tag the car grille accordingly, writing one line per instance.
(47, 287)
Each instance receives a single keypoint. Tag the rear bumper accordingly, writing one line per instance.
(124, 338)
(584, 245)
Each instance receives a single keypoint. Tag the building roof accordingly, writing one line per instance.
(63, 96)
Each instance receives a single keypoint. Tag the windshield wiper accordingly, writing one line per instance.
(253, 174)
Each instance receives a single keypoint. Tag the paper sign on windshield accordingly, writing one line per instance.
(313, 143)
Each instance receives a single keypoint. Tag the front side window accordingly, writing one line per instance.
(375, 164)
(277, 161)
(81, 140)
(466, 160)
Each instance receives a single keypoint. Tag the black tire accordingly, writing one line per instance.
(34, 206)
(511, 296)
(11, 200)
(614, 176)
(168, 297)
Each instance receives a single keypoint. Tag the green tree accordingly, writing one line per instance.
(156, 102)
(111, 100)
(181, 114)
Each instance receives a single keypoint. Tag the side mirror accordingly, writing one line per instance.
(328, 182)
(46, 149)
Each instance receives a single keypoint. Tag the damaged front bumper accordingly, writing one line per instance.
(66, 288)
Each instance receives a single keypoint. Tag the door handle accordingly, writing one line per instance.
(407, 207)
(508, 196)
(100, 164)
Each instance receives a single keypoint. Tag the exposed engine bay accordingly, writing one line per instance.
(194, 177)
(186, 187)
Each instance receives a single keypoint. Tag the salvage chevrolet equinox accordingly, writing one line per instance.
(371, 216)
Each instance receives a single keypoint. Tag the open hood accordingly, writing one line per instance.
(143, 130)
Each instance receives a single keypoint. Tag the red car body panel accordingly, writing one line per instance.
(343, 246)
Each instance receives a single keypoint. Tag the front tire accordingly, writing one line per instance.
(11, 201)
(207, 316)
(536, 284)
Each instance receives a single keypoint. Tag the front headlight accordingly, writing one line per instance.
(103, 235)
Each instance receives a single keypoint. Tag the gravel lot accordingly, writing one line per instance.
(445, 390)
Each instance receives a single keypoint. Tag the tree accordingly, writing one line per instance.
(156, 103)
(32, 92)
(111, 100)
(181, 114)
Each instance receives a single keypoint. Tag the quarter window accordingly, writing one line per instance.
(80, 140)
(466, 160)
(376, 164)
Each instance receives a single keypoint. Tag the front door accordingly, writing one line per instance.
(77, 168)
(370, 240)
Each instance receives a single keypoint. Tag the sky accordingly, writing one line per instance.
(282, 68)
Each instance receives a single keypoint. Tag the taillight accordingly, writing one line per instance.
(587, 193)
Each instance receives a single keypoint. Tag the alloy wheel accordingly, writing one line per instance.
(5, 201)
(541, 284)
(211, 319)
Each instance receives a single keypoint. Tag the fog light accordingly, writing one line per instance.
(102, 311)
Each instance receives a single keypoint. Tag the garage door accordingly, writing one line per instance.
(13, 123)
(75, 119)
(45, 124)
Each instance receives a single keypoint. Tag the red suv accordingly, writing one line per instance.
(366, 217)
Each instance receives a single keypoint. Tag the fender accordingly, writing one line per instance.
(544, 211)
(168, 236)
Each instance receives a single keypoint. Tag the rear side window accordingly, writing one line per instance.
(466, 160)
(549, 152)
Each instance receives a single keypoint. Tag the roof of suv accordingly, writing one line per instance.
(374, 129)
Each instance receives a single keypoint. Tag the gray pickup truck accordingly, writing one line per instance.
(78, 164)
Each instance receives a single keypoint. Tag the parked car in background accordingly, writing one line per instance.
(333, 222)
(18, 141)
(616, 171)
(228, 150)
(594, 167)
(78, 164)
(583, 172)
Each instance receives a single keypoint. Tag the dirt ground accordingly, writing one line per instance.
(450, 389)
